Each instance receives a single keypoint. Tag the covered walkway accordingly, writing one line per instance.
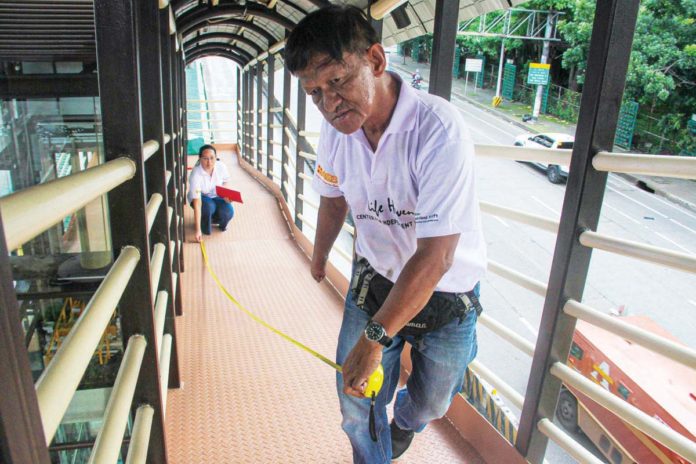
(247, 395)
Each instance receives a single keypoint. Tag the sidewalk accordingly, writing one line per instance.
(680, 191)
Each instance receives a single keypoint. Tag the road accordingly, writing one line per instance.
(614, 282)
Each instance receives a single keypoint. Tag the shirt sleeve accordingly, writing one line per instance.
(325, 181)
(224, 173)
(447, 202)
(195, 186)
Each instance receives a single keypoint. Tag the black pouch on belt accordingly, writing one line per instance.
(370, 289)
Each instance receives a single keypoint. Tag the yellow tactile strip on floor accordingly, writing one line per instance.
(249, 396)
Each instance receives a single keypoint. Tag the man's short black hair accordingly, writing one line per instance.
(204, 148)
(333, 31)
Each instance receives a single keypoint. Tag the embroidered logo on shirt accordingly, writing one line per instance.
(326, 177)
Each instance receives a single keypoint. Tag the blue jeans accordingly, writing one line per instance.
(439, 363)
(215, 210)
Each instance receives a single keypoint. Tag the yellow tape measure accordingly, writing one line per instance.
(374, 382)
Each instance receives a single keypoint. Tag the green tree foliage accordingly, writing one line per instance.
(662, 69)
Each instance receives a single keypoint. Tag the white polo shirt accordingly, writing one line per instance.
(202, 183)
(418, 183)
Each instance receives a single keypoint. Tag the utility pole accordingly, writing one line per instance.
(544, 60)
(500, 67)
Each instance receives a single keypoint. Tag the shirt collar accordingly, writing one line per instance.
(404, 117)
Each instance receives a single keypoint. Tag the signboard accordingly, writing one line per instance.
(626, 125)
(473, 65)
(538, 74)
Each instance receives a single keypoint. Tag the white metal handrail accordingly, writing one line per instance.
(650, 165)
(107, 447)
(286, 149)
(29, 212)
(160, 316)
(348, 228)
(150, 148)
(291, 192)
(290, 175)
(277, 143)
(288, 113)
(544, 155)
(661, 345)
(562, 439)
(276, 109)
(489, 376)
(275, 126)
(276, 176)
(58, 383)
(507, 334)
(140, 435)
(308, 202)
(164, 363)
(175, 276)
(628, 413)
(156, 267)
(167, 138)
(167, 177)
(650, 253)
(517, 277)
(170, 214)
(308, 156)
(306, 177)
(276, 159)
(345, 255)
(172, 251)
(309, 134)
(520, 216)
(151, 209)
(291, 137)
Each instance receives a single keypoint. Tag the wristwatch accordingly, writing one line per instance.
(374, 331)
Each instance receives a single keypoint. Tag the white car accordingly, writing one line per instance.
(556, 173)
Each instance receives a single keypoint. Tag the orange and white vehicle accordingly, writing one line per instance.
(658, 386)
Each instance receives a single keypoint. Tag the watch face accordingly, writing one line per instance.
(374, 331)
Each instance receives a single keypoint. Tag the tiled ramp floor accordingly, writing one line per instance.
(249, 396)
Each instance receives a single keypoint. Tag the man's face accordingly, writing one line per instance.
(343, 91)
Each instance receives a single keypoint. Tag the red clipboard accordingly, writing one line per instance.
(230, 194)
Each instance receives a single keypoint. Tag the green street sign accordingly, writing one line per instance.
(538, 74)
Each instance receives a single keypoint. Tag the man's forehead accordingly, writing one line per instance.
(320, 62)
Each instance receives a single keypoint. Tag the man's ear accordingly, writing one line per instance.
(377, 59)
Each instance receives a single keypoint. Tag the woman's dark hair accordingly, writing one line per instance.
(206, 147)
(332, 31)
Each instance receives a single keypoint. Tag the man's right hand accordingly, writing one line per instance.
(318, 268)
(198, 236)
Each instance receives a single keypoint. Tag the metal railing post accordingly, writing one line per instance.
(610, 49)
(287, 90)
(117, 51)
(259, 115)
(270, 98)
(299, 160)
(22, 437)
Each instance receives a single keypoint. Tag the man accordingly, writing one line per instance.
(208, 207)
(402, 161)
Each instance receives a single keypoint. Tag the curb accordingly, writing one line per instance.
(658, 190)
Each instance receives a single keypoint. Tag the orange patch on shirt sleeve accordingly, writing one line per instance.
(326, 177)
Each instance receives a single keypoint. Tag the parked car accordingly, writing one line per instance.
(556, 173)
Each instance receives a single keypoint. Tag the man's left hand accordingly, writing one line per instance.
(359, 365)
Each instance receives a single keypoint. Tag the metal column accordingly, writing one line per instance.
(258, 112)
(22, 438)
(287, 92)
(270, 117)
(444, 41)
(299, 146)
(117, 58)
(155, 168)
(609, 54)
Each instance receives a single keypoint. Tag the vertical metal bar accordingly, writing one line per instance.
(240, 110)
(170, 149)
(22, 437)
(182, 156)
(155, 172)
(250, 116)
(287, 93)
(299, 146)
(245, 115)
(119, 84)
(259, 115)
(610, 50)
(444, 40)
(270, 117)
